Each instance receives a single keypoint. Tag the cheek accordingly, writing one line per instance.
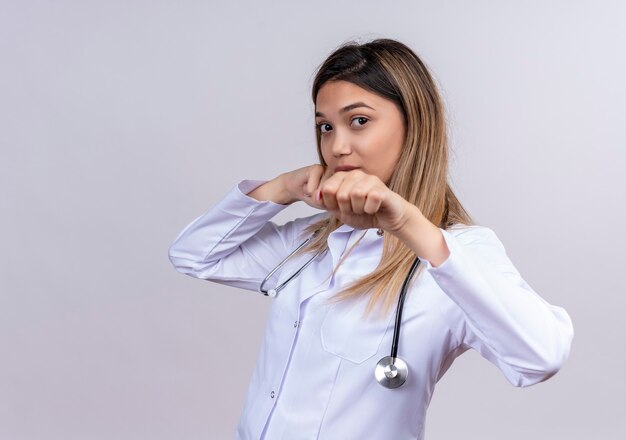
(326, 154)
(381, 149)
(387, 152)
(393, 143)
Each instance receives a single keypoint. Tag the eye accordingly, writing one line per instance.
(320, 125)
(362, 120)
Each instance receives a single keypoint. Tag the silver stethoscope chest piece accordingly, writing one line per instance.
(391, 372)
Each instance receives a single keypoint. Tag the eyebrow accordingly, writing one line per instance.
(347, 108)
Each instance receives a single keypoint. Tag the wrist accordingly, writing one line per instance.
(274, 191)
(284, 195)
(423, 237)
(413, 220)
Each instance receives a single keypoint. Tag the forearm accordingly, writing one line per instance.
(423, 237)
(273, 190)
(211, 246)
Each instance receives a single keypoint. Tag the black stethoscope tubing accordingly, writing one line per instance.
(400, 307)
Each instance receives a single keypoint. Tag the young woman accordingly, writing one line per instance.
(391, 237)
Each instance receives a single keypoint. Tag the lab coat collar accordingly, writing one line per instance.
(339, 240)
(344, 228)
(348, 228)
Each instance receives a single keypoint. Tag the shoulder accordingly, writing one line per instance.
(468, 234)
(480, 241)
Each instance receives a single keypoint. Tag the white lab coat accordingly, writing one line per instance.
(314, 377)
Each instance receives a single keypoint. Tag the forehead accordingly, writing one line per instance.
(337, 94)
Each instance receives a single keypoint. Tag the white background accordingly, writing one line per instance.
(122, 121)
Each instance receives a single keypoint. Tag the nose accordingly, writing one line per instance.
(341, 144)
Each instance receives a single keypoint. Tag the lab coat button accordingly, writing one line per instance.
(296, 324)
(272, 394)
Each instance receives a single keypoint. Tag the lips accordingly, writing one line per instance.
(345, 168)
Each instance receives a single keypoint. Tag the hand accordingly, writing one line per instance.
(361, 200)
(302, 183)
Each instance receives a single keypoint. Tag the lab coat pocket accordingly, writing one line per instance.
(347, 334)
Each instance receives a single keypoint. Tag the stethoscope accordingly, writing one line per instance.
(390, 371)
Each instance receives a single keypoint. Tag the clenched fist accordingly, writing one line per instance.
(356, 198)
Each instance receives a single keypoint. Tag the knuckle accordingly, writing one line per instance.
(359, 195)
(329, 188)
(359, 192)
(374, 195)
(343, 196)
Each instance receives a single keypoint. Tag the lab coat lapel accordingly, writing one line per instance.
(321, 269)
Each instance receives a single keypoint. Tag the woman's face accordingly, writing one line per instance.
(358, 129)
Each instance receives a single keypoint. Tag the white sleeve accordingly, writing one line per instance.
(234, 243)
(500, 315)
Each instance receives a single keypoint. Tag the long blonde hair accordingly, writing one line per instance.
(392, 70)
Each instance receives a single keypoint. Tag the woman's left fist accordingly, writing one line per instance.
(362, 200)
